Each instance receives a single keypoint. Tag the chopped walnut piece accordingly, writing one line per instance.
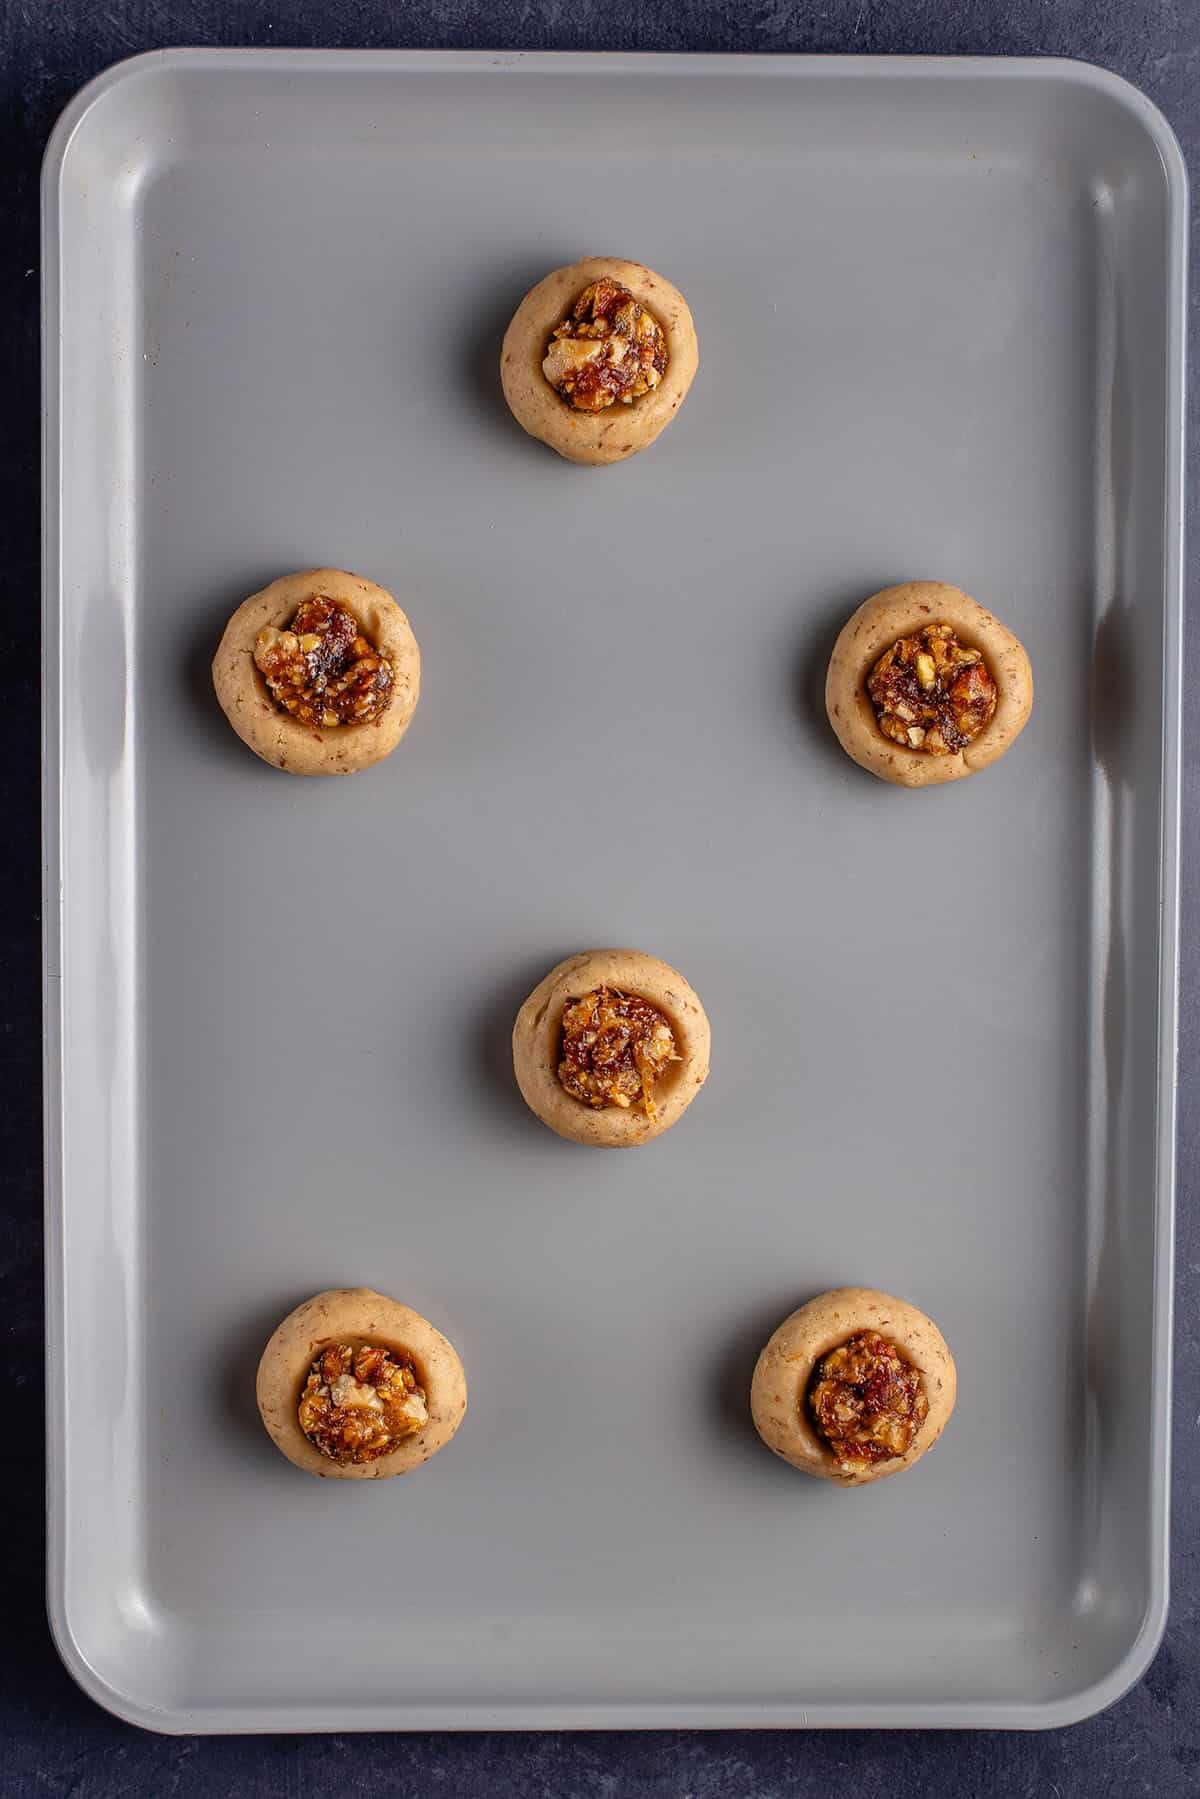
(867, 1402)
(614, 1047)
(610, 347)
(932, 693)
(360, 1403)
(322, 669)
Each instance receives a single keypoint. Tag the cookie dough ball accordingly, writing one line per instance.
(319, 673)
(598, 359)
(853, 1387)
(355, 1386)
(924, 685)
(611, 1048)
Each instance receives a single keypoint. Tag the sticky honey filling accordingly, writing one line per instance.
(609, 350)
(614, 1047)
(932, 693)
(322, 669)
(866, 1401)
(361, 1401)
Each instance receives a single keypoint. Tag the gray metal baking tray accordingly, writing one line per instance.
(940, 310)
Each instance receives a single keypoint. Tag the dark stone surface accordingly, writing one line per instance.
(52, 1739)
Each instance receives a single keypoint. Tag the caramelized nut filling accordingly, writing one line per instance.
(609, 347)
(614, 1047)
(322, 669)
(358, 1404)
(866, 1401)
(931, 692)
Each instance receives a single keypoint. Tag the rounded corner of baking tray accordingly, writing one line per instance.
(96, 1687)
(1137, 104)
(92, 94)
(1099, 1695)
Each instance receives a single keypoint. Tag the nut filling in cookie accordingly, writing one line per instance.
(321, 669)
(931, 693)
(866, 1401)
(609, 348)
(360, 1403)
(614, 1047)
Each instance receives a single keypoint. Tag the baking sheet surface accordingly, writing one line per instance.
(939, 315)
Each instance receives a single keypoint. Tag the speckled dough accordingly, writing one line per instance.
(357, 1315)
(537, 1033)
(898, 612)
(618, 431)
(283, 740)
(785, 1367)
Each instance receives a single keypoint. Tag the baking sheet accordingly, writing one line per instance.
(940, 316)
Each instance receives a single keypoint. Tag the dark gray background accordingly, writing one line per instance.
(55, 1741)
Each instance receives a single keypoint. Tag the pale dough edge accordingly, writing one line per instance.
(349, 1312)
(878, 622)
(786, 1363)
(536, 1036)
(283, 741)
(619, 431)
